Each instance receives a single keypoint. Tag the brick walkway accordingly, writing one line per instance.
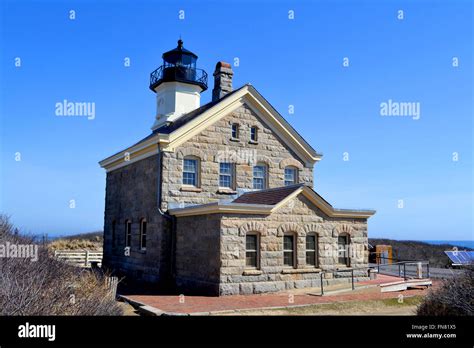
(205, 304)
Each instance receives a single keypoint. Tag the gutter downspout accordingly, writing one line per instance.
(166, 215)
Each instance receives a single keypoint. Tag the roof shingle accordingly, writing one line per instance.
(271, 196)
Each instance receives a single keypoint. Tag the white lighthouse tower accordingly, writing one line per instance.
(178, 85)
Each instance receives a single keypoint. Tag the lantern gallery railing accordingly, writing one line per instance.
(178, 73)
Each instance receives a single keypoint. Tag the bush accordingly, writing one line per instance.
(74, 244)
(48, 286)
(455, 297)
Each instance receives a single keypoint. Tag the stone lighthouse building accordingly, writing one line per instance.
(219, 198)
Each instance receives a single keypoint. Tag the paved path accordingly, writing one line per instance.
(206, 304)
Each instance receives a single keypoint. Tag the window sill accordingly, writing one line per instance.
(300, 270)
(252, 272)
(237, 140)
(186, 188)
(227, 191)
(253, 142)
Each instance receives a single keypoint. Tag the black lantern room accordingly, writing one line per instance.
(179, 65)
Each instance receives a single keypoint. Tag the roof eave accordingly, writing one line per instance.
(217, 208)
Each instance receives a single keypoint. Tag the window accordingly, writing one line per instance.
(312, 250)
(128, 233)
(251, 251)
(143, 234)
(342, 248)
(289, 250)
(254, 134)
(190, 171)
(291, 176)
(226, 175)
(260, 176)
(114, 241)
(235, 131)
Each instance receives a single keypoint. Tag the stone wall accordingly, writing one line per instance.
(198, 254)
(131, 193)
(213, 145)
(300, 217)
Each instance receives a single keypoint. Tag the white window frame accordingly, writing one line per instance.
(265, 176)
(231, 175)
(197, 175)
(295, 175)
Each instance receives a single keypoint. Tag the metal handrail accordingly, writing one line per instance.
(404, 263)
(178, 73)
(392, 258)
(352, 269)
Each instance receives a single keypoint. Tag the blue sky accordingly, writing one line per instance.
(290, 61)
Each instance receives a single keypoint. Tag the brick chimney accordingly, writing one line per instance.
(222, 80)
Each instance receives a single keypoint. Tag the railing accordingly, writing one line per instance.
(322, 273)
(178, 73)
(80, 258)
(406, 269)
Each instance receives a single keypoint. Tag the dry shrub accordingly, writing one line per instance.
(48, 286)
(454, 297)
(74, 244)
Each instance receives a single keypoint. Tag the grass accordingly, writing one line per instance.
(408, 301)
(75, 244)
(372, 307)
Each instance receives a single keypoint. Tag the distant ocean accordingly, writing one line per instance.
(458, 243)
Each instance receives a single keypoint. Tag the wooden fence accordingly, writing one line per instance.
(80, 258)
(112, 283)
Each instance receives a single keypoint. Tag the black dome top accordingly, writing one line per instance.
(179, 65)
(179, 55)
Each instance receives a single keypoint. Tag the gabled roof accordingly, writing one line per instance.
(265, 202)
(168, 137)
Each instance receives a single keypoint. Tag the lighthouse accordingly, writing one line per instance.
(178, 85)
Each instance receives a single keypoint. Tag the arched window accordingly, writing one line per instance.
(291, 175)
(143, 226)
(343, 242)
(289, 250)
(191, 171)
(312, 249)
(128, 233)
(260, 174)
(252, 250)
